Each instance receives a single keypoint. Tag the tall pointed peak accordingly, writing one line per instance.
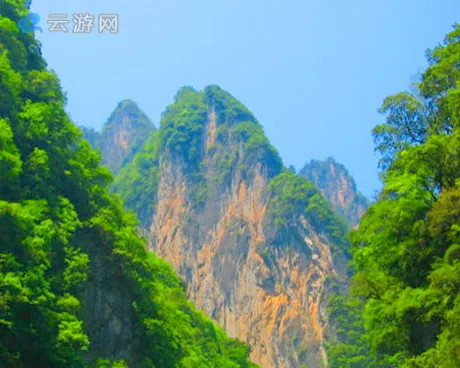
(128, 111)
(212, 122)
(338, 186)
(123, 134)
(210, 190)
(227, 107)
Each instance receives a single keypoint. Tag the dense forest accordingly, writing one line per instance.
(68, 250)
(404, 309)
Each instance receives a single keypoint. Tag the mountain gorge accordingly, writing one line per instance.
(190, 244)
(262, 253)
(258, 246)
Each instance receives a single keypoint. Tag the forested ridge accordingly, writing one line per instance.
(67, 247)
(404, 309)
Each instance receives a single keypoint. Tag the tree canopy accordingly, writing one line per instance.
(406, 252)
(60, 228)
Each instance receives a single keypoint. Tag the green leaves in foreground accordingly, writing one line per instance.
(406, 250)
(63, 236)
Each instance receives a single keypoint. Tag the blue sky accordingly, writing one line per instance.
(314, 73)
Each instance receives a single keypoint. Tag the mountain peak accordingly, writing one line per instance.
(127, 104)
(123, 134)
(125, 109)
(338, 187)
(246, 234)
(126, 130)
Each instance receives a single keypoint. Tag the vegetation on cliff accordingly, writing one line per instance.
(209, 186)
(60, 227)
(138, 182)
(182, 137)
(242, 145)
(406, 252)
(92, 136)
(293, 196)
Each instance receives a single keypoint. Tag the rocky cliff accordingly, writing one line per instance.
(123, 134)
(258, 246)
(338, 187)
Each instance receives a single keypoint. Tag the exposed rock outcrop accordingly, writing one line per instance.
(338, 187)
(252, 240)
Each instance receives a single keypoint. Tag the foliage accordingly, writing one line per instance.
(292, 196)
(257, 147)
(349, 349)
(182, 127)
(228, 109)
(181, 139)
(59, 227)
(138, 181)
(406, 250)
(92, 136)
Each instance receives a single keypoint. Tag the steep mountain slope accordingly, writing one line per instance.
(77, 286)
(123, 134)
(338, 187)
(258, 246)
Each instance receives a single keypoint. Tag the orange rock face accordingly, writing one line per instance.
(275, 302)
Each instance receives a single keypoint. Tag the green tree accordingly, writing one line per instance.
(406, 250)
(60, 227)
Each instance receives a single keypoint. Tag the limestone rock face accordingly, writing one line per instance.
(235, 225)
(338, 187)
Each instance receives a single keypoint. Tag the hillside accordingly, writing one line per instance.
(77, 285)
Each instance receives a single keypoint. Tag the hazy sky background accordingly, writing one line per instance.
(313, 72)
